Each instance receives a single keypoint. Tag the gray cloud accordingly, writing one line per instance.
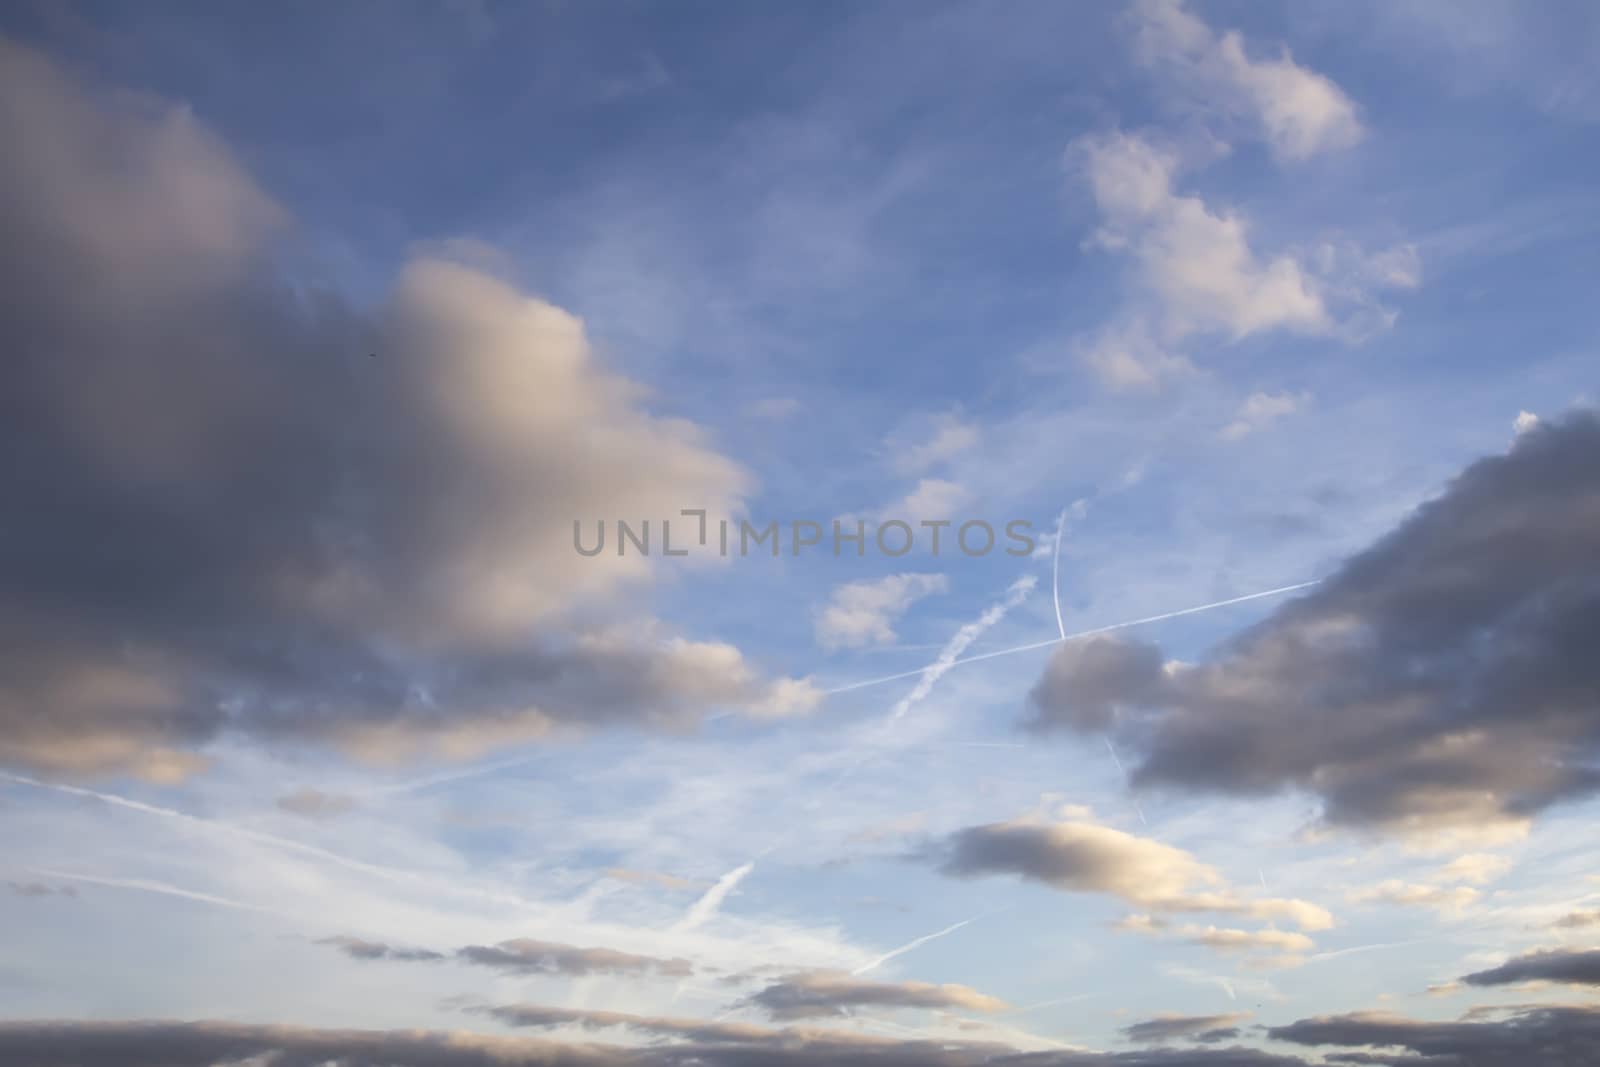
(214, 1044)
(238, 502)
(1206, 1029)
(315, 804)
(546, 957)
(1548, 1036)
(1444, 677)
(1085, 857)
(39, 889)
(357, 949)
(524, 956)
(1577, 920)
(1580, 967)
(821, 994)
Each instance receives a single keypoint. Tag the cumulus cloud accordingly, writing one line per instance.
(821, 994)
(1580, 967)
(250, 505)
(1085, 857)
(358, 949)
(1300, 113)
(1475, 867)
(1440, 680)
(1206, 1029)
(864, 613)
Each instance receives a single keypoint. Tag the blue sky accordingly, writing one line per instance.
(1228, 289)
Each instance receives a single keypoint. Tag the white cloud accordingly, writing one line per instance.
(1411, 894)
(1261, 410)
(951, 436)
(864, 613)
(1475, 867)
(1301, 113)
(933, 499)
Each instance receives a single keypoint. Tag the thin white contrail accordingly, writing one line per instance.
(911, 945)
(390, 874)
(710, 902)
(1055, 571)
(1336, 953)
(959, 643)
(1074, 636)
(1124, 772)
(145, 885)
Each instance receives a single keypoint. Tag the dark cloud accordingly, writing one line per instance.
(1547, 1036)
(39, 889)
(208, 1044)
(222, 514)
(525, 956)
(546, 957)
(358, 949)
(1205, 1029)
(1443, 677)
(823, 994)
(315, 804)
(1581, 967)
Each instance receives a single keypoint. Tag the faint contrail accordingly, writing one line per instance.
(1073, 636)
(146, 886)
(391, 874)
(709, 903)
(1055, 571)
(910, 945)
(1124, 772)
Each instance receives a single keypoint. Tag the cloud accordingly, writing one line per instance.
(1475, 867)
(524, 956)
(1261, 410)
(39, 889)
(357, 949)
(949, 437)
(1439, 680)
(864, 613)
(315, 804)
(215, 1044)
(1580, 967)
(1577, 920)
(1206, 1029)
(1562, 1035)
(933, 499)
(1085, 857)
(334, 524)
(1411, 894)
(1301, 113)
(823, 994)
(1226, 939)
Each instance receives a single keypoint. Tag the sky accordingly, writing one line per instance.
(1259, 339)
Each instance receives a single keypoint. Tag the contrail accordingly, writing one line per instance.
(1124, 772)
(390, 874)
(147, 886)
(1055, 571)
(704, 908)
(1336, 953)
(1073, 636)
(910, 945)
(1016, 594)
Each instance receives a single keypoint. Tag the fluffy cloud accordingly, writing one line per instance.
(1412, 894)
(1085, 857)
(820, 994)
(1300, 112)
(1442, 679)
(1198, 273)
(1551, 965)
(864, 613)
(241, 502)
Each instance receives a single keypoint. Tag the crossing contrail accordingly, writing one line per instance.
(944, 666)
